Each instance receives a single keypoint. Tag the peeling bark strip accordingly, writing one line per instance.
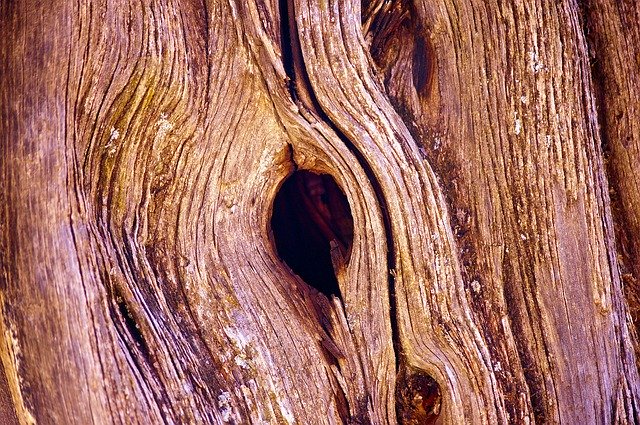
(325, 211)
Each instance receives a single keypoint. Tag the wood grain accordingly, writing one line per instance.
(143, 145)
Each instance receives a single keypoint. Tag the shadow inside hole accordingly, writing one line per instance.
(418, 398)
(312, 223)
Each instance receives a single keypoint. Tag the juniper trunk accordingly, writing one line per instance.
(320, 211)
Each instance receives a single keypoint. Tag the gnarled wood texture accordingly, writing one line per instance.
(144, 143)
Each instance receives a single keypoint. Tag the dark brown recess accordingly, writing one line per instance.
(312, 225)
(418, 397)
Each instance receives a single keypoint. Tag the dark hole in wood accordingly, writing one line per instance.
(418, 398)
(422, 65)
(313, 228)
(398, 42)
(131, 325)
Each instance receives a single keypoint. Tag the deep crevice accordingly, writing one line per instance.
(286, 46)
(396, 38)
(423, 65)
(302, 93)
(313, 229)
(299, 85)
(386, 219)
(292, 58)
(123, 315)
(385, 23)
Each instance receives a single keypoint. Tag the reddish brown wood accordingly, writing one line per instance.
(488, 151)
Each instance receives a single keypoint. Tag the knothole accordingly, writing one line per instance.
(313, 228)
(418, 398)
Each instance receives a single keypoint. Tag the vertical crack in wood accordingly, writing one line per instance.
(286, 47)
(386, 25)
(302, 90)
(303, 95)
(129, 330)
(299, 85)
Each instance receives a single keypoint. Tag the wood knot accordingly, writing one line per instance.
(313, 229)
(418, 398)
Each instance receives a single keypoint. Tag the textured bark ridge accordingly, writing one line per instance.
(614, 40)
(325, 211)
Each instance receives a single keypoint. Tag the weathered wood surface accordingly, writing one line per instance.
(615, 51)
(143, 144)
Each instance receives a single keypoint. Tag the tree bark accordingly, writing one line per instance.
(489, 152)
